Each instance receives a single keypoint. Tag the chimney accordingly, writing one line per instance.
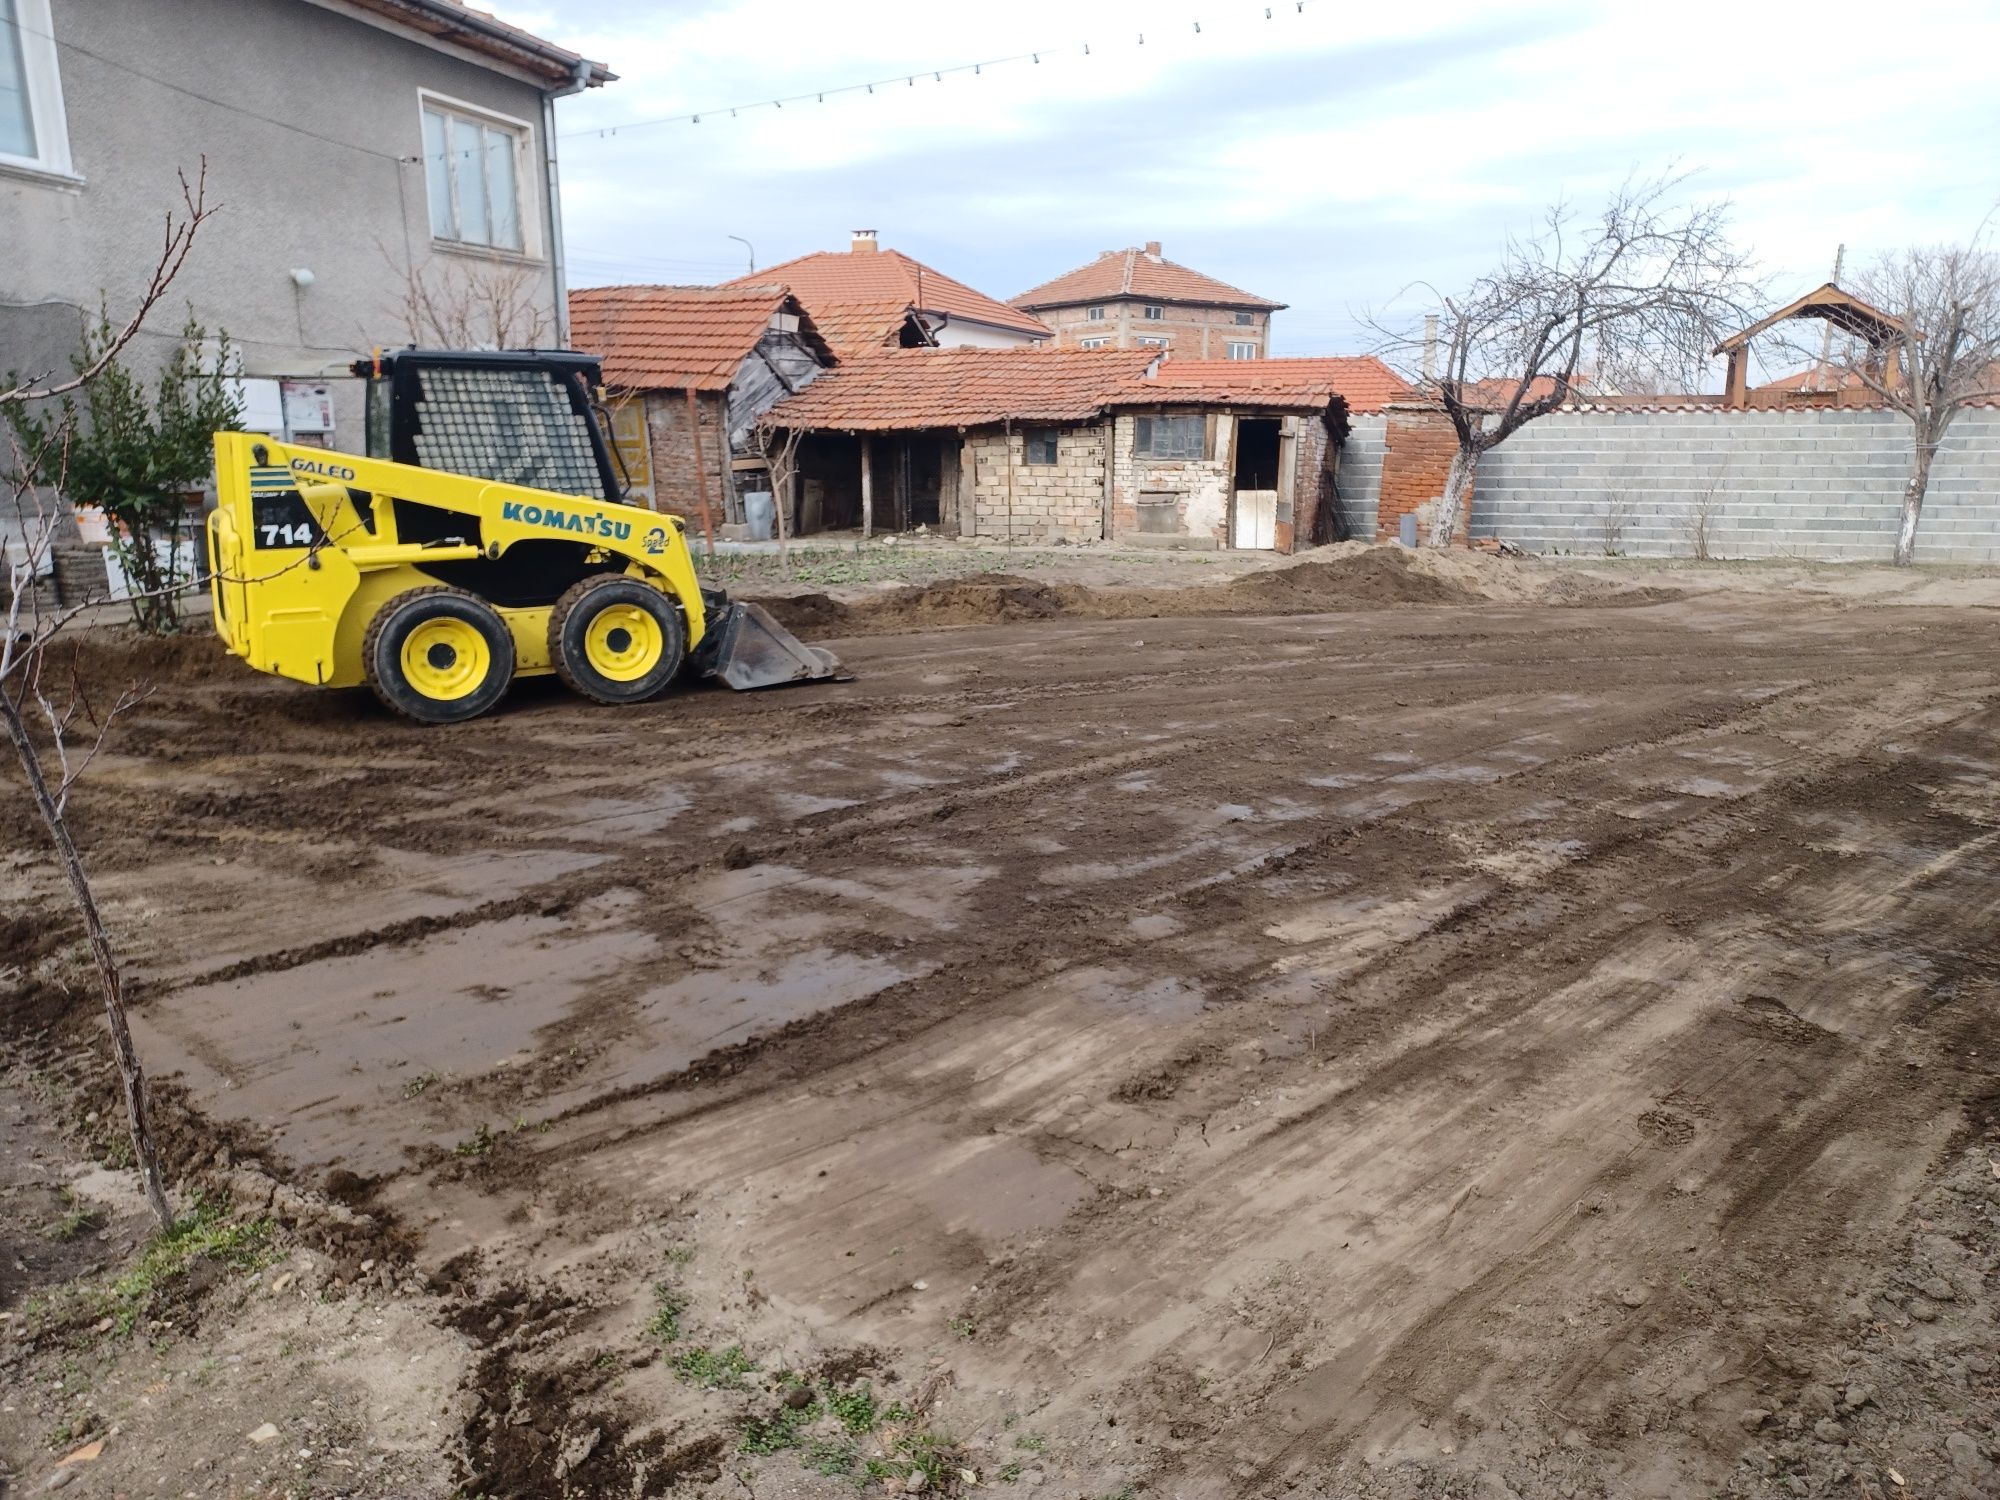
(864, 242)
(1153, 248)
(1430, 347)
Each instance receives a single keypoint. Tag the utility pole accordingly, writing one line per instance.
(747, 246)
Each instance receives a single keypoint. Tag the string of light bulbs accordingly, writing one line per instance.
(907, 79)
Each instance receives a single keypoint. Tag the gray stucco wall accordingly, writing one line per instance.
(309, 121)
(1819, 485)
(1360, 475)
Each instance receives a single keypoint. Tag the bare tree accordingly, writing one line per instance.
(780, 447)
(1642, 289)
(1947, 356)
(453, 304)
(42, 714)
(1702, 517)
(1617, 515)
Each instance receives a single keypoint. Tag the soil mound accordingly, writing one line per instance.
(1351, 579)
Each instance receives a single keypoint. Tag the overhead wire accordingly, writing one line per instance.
(907, 77)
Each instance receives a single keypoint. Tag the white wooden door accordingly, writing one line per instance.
(1257, 519)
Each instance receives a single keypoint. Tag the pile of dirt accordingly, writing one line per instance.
(1355, 576)
(1347, 576)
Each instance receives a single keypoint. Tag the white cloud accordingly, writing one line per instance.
(1327, 156)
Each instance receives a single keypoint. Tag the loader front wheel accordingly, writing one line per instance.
(438, 655)
(616, 640)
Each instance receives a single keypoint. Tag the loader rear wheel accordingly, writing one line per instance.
(616, 640)
(438, 655)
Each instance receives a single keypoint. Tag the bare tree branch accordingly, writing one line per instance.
(1644, 285)
(179, 240)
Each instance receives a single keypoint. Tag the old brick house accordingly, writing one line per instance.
(1137, 298)
(1078, 445)
(864, 297)
(691, 369)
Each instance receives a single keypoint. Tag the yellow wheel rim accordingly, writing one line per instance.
(445, 659)
(623, 642)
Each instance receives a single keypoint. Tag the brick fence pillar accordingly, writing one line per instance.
(1418, 445)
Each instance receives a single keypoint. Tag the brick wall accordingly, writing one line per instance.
(1824, 485)
(1191, 332)
(671, 434)
(1063, 501)
(1417, 447)
(1202, 484)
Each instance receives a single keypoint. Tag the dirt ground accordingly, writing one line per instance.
(1385, 1027)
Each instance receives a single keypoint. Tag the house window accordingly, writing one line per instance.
(1245, 320)
(1152, 343)
(1243, 350)
(1041, 445)
(1171, 437)
(33, 131)
(1092, 343)
(1155, 312)
(1096, 315)
(472, 168)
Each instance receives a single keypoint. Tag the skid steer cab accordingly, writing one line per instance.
(483, 537)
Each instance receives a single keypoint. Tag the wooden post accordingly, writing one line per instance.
(867, 487)
(1737, 392)
(701, 474)
(1110, 470)
(1007, 436)
(968, 486)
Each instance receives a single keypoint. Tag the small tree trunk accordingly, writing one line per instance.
(144, 1152)
(1913, 506)
(779, 497)
(1457, 488)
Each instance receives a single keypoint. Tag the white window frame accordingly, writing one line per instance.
(527, 179)
(1153, 342)
(1242, 349)
(1153, 312)
(1095, 315)
(43, 76)
(1096, 343)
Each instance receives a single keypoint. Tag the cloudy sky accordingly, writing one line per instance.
(1330, 155)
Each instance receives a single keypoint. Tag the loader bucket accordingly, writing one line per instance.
(748, 649)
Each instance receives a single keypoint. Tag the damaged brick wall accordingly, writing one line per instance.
(1059, 502)
(1418, 444)
(1200, 486)
(676, 486)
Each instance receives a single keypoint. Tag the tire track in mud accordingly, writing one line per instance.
(901, 1013)
(1528, 940)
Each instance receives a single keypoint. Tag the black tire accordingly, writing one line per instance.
(452, 681)
(590, 661)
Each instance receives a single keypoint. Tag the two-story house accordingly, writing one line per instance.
(1138, 299)
(385, 171)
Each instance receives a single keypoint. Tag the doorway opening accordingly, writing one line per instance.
(1256, 454)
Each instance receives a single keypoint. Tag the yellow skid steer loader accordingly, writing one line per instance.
(482, 538)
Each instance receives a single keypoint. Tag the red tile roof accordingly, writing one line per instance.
(854, 328)
(1143, 275)
(678, 337)
(908, 389)
(828, 281)
(1363, 381)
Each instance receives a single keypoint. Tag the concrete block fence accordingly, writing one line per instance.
(1819, 485)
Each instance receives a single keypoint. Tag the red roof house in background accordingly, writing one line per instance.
(1138, 298)
(863, 297)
